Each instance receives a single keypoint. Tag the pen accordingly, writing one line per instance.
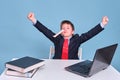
(58, 33)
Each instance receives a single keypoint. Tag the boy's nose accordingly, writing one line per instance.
(64, 29)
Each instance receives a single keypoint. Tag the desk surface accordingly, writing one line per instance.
(54, 70)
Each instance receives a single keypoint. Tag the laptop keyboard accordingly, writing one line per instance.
(82, 67)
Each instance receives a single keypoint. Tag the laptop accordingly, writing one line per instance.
(101, 61)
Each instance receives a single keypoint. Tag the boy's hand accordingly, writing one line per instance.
(105, 20)
(31, 17)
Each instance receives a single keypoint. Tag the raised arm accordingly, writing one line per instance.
(94, 31)
(47, 32)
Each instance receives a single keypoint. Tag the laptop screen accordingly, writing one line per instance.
(102, 58)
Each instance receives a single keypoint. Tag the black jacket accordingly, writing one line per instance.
(75, 41)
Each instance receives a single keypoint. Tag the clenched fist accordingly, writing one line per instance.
(31, 17)
(105, 20)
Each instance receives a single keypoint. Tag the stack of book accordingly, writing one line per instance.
(23, 67)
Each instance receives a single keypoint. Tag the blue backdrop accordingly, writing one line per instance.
(19, 38)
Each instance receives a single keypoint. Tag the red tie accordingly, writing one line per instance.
(65, 49)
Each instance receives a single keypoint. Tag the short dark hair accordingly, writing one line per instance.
(67, 22)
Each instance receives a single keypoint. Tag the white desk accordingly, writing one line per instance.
(54, 70)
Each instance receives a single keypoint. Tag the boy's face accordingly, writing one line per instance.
(68, 31)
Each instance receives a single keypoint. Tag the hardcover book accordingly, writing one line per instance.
(29, 74)
(24, 64)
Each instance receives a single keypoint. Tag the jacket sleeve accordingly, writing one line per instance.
(47, 32)
(91, 33)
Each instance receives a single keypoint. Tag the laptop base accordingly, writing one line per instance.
(81, 68)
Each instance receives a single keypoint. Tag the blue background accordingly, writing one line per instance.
(18, 37)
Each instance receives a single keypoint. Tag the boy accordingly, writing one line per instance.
(67, 43)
